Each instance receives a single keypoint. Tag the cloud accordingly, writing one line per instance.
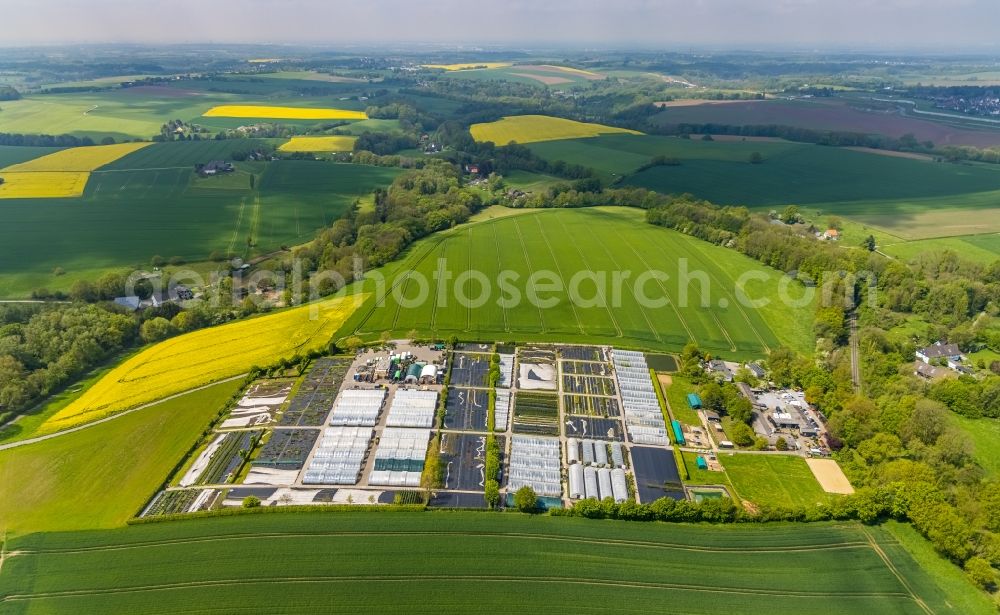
(663, 23)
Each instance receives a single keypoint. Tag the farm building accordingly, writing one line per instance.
(600, 454)
(588, 452)
(413, 373)
(338, 456)
(501, 411)
(357, 407)
(713, 416)
(756, 370)
(399, 460)
(702, 464)
(576, 489)
(642, 412)
(678, 433)
(604, 483)
(215, 167)
(694, 401)
(590, 483)
(617, 457)
(429, 374)
(938, 350)
(619, 488)
(784, 420)
(746, 391)
(411, 408)
(572, 450)
(535, 462)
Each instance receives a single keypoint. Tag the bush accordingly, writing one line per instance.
(251, 501)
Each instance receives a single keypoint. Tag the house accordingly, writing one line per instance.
(756, 370)
(472, 169)
(831, 234)
(938, 350)
(719, 368)
(925, 370)
(131, 302)
(216, 166)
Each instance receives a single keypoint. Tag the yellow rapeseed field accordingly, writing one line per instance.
(78, 158)
(284, 113)
(534, 128)
(205, 356)
(469, 65)
(62, 174)
(42, 185)
(335, 143)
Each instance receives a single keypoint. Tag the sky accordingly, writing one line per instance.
(801, 24)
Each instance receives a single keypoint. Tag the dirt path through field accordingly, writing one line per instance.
(831, 478)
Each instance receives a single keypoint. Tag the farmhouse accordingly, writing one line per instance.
(949, 352)
(720, 369)
(756, 370)
(215, 167)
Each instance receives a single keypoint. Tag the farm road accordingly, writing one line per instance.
(11, 445)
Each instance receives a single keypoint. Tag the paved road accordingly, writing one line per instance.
(57, 434)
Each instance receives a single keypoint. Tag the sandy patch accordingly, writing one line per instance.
(546, 79)
(831, 478)
(270, 476)
(665, 380)
(535, 376)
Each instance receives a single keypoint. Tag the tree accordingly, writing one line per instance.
(790, 215)
(756, 158)
(251, 501)
(781, 444)
(869, 243)
(186, 321)
(525, 499)
(742, 434)
(157, 261)
(156, 329)
(492, 493)
(981, 573)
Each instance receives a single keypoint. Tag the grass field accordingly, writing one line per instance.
(676, 395)
(319, 144)
(567, 242)
(284, 113)
(535, 128)
(139, 112)
(355, 562)
(778, 480)
(977, 248)
(985, 436)
(911, 199)
(156, 191)
(205, 356)
(99, 477)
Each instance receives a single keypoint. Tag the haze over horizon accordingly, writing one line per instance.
(820, 24)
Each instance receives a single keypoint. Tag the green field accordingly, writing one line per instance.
(912, 199)
(152, 203)
(11, 154)
(101, 476)
(360, 562)
(139, 112)
(777, 480)
(676, 395)
(977, 248)
(567, 242)
(985, 436)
